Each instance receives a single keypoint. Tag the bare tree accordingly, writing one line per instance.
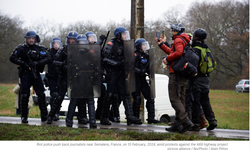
(227, 25)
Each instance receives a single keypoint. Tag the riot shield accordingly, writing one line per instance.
(84, 70)
(129, 65)
(152, 72)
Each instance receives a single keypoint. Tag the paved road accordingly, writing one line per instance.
(225, 133)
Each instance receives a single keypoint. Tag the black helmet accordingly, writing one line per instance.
(140, 42)
(71, 34)
(177, 27)
(200, 34)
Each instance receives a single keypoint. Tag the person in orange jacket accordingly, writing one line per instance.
(177, 83)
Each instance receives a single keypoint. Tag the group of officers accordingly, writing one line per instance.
(81, 66)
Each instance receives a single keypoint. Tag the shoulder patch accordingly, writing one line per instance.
(42, 52)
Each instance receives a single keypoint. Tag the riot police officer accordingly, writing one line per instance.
(141, 69)
(52, 76)
(81, 102)
(60, 61)
(93, 40)
(31, 58)
(113, 58)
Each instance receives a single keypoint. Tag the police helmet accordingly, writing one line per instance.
(72, 35)
(141, 44)
(55, 40)
(200, 34)
(81, 39)
(91, 37)
(177, 27)
(31, 34)
(121, 33)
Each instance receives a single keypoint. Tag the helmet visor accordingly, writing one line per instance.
(125, 36)
(82, 41)
(92, 38)
(56, 44)
(145, 46)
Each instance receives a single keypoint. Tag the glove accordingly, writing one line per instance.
(143, 71)
(58, 63)
(33, 64)
(25, 66)
(102, 37)
(137, 70)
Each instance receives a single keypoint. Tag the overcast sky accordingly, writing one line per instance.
(99, 11)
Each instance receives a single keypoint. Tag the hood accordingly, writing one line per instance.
(184, 36)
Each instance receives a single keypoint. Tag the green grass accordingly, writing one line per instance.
(231, 109)
(28, 132)
(7, 102)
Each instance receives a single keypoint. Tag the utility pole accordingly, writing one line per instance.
(137, 31)
(137, 19)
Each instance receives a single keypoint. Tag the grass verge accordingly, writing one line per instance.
(28, 132)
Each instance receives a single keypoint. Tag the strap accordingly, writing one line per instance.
(183, 41)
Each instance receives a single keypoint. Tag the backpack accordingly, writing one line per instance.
(207, 63)
(189, 55)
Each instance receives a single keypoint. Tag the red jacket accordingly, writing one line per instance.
(179, 47)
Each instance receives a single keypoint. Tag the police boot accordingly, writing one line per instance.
(24, 107)
(55, 107)
(82, 117)
(99, 107)
(136, 106)
(100, 102)
(42, 107)
(150, 104)
(91, 110)
(71, 111)
(176, 127)
(131, 119)
(115, 109)
(56, 117)
(105, 110)
(203, 123)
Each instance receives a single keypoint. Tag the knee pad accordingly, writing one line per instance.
(26, 96)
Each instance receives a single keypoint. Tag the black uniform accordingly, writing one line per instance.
(200, 90)
(113, 57)
(61, 57)
(141, 69)
(35, 57)
(59, 68)
(52, 76)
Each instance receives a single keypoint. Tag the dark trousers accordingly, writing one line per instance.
(27, 80)
(201, 98)
(143, 86)
(177, 89)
